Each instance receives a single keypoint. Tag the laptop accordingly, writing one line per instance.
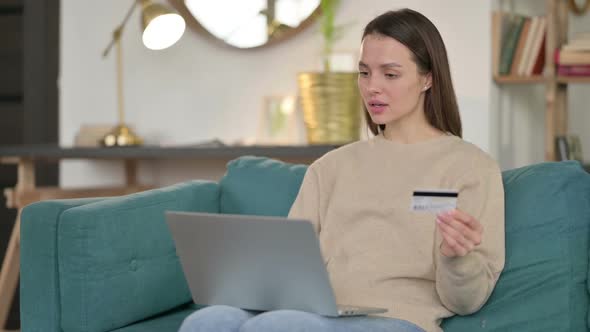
(255, 263)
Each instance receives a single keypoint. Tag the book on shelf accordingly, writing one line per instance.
(564, 57)
(499, 27)
(574, 70)
(572, 57)
(518, 44)
(581, 35)
(536, 60)
(577, 47)
(580, 42)
(528, 37)
(568, 147)
(518, 57)
(561, 148)
(575, 52)
(509, 42)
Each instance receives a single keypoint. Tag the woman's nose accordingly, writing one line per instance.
(373, 86)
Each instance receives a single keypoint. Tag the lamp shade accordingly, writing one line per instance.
(161, 27)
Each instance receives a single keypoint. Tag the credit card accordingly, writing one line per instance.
(434, 200)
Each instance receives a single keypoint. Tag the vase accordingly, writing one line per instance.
(331, 106)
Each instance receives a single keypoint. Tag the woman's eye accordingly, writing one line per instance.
(391, 75)
(363, 73)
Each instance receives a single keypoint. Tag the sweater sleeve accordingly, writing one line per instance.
(465, 283)
(307, 204)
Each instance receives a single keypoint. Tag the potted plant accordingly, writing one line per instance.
(330, 100)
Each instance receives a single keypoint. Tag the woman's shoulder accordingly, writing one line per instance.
(473, 154)
(342, 155)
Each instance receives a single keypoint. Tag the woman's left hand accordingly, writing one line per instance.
(461, 233)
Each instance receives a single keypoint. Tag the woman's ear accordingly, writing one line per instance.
(427, 82)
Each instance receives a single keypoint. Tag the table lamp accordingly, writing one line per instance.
(162, 28)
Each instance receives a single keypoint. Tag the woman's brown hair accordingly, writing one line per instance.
(419, 35)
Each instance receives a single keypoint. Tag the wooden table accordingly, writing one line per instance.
(26, 192)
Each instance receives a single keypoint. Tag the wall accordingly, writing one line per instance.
(198, 90)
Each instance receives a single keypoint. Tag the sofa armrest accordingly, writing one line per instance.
(39, 289)
(116, 261)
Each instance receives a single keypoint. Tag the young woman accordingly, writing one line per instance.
(422, 266)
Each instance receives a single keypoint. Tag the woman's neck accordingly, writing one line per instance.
(411, 133)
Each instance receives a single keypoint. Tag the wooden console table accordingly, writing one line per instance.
(26, 192)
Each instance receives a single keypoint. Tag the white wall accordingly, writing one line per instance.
(198, 90)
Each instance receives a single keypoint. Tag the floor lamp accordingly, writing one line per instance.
(161, 28)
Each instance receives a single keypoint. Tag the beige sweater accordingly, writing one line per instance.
(378, 252)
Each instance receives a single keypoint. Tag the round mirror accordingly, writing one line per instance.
(580, 7)
(248, 24)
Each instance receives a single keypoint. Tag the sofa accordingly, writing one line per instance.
(109, 264)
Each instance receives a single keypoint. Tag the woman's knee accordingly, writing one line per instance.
(285, 321)
(218, 318)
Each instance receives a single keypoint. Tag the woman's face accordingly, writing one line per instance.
(389, 81)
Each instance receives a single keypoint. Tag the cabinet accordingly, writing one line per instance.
(29, 54)
(555, 86)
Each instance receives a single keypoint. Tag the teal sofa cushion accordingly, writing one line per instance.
(117, 260)
(543, 285)
(40, 310)
(260, 186)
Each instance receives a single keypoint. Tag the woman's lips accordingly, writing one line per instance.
(377, 107)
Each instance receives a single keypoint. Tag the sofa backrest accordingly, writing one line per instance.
(260, 186)
(543, 285)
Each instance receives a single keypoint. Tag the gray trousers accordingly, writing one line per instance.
(229, 319)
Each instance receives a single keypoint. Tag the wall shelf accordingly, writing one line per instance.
(556, 86)
(540, 79)
(499, 79)
(573, 79)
